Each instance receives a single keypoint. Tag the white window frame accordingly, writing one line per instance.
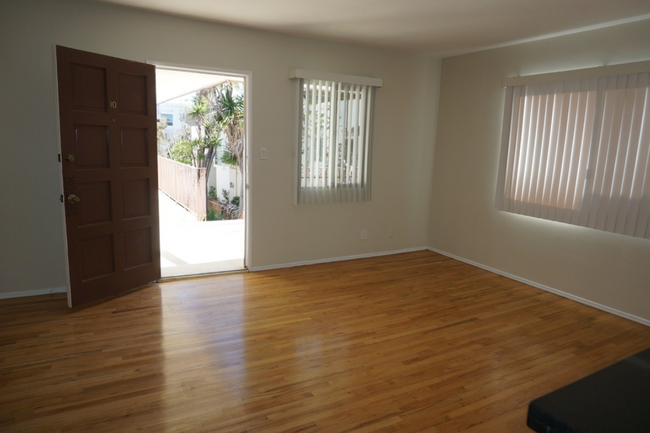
(346, 103)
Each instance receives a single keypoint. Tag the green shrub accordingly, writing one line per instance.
(212, 195)
(228, 158)
(230, 207)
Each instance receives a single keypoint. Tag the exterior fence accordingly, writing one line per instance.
(184, 184)
(218, 209)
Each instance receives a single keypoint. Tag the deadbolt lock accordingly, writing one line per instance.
(73, 199)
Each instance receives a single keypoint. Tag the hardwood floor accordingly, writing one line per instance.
(413, 342)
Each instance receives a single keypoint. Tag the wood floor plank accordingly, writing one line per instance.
(413, 342)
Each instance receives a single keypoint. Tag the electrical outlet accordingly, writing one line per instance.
(364, 234)
(263, 153)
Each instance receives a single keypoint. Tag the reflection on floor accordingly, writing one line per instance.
(190, 247)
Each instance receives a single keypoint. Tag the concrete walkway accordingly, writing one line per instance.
(190, 247)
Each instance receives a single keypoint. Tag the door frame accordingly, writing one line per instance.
(59, 150)
(248, 134)
(248, 130)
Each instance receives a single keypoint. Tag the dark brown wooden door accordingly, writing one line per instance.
(107, 110)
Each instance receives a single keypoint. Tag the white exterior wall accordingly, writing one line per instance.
(222, 176)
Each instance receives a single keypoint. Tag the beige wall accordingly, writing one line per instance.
(31, 256)
(607, 269)
(455, 215)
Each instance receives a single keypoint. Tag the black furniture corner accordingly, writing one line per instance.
(613, 400)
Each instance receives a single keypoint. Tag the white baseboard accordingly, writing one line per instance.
(593, 304)
(251, 269)
(33, 293)
(333, 259)
(584, 301)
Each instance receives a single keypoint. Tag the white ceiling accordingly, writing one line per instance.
(429, 27)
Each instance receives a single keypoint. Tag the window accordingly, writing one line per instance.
(576, 150)
(169, 118)
(334, 137)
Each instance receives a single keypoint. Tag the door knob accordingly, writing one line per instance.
(73, 199)
(69, 157)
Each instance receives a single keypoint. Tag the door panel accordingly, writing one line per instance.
(108, 142)
(91, 147)
(96, 206)
(89, 88)
(132, 92)
(137, 251)
(134, 151)
(135, 198)
(97, 257)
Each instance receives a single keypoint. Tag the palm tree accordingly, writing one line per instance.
(208, 133)
(216, 112)
(228, 110)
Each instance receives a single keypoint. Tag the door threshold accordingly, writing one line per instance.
(207, 274)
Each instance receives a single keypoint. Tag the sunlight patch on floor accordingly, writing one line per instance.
(190, 247)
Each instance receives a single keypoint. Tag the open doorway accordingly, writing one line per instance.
(201, 171)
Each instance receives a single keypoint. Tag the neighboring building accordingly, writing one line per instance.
(173, 113)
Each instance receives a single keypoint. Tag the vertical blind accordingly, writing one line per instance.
(335, 141)
(578, 152)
